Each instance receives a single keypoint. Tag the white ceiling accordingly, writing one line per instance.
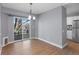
(37, 8)
(72, 9)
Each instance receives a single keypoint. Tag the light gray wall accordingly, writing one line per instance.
(10, 28)
(4, 27)
(0, 25)
(52, 26)
(34, 27)
(64, 26)
(7, 27)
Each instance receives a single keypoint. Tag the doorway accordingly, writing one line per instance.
(21, 28)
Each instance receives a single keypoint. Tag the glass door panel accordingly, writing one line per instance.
(17, 28)
(21, 28)
(25, 27)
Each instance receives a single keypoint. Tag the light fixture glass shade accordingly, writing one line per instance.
(29, 17)
(34, 17)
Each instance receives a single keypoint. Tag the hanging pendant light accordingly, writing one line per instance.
(34, 17)
(31, 17)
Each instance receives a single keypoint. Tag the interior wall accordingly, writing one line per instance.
(4, 27)
(50, 26)
(33, 28)
(10, 28)
(0, 26)
(64, 26)
(36, 26)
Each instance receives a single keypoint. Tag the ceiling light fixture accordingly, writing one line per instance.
(31, 17)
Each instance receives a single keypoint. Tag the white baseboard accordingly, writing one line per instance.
(34, 38)
(64, 45)
(53, 43)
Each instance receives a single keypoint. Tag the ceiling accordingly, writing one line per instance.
(37, 8)
(72, 9)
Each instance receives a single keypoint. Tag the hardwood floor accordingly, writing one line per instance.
(18, 48)
(37, 47)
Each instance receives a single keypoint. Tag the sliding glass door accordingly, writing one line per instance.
(21, 28)
(25, 28)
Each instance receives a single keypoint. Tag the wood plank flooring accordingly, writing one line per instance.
(37, 47)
